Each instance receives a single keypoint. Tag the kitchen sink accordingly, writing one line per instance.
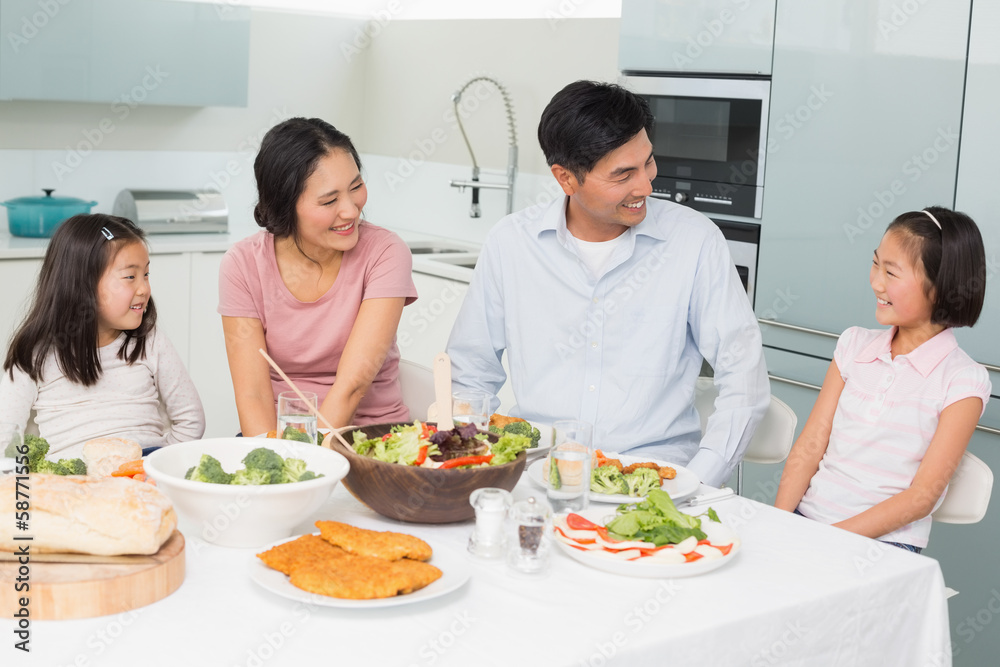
(436, 248)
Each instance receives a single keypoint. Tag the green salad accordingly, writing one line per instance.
(421, 444)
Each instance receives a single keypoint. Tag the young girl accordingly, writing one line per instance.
(898, 405)
(87, 358)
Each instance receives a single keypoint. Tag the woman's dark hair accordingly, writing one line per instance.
(587, 120)
(63, 316)
(287, 158)
(954, 261)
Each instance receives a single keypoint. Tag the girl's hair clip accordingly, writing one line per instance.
(931, 216)
(108, 235)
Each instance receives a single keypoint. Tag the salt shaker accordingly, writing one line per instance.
(529, 536)
(491, 505)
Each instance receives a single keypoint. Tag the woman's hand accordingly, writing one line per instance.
(371, 337)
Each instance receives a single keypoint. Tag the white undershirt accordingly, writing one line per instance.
(595, 255)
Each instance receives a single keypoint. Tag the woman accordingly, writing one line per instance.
(320, 289)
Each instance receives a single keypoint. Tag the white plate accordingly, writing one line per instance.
(642, 567)
(680, 487)
(454, 573)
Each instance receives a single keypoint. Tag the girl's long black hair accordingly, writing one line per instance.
(63, 316)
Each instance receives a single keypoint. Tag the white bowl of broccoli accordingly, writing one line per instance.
(245, 492)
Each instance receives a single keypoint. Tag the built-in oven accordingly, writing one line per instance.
(709, 139)
(743, 239)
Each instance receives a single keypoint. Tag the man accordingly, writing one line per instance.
(606, 301)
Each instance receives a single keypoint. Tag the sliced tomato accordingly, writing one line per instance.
(603, 532)
(577, 522)
(386, 437)
(725, 550)
(693, 555)
(578, 540)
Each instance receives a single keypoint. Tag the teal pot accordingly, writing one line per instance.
(38, 217)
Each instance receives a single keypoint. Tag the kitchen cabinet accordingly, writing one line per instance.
(729, 36)
(125, 53)
(18, 277)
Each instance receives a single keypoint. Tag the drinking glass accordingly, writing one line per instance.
(568, 470)
(470, 406)
(10, 440)
(295, 413)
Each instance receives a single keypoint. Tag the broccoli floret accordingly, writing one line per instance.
(293, 470)
(266, 460)
(608, 479)
(307, 475)
(37, 449)
(209, 470)
(524, 428)
(292, 433)
(251, 477)
(642, 480)
(75, 466)
(190, 472)
(47, 467)
(319, 438)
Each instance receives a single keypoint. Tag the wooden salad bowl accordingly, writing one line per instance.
(420, 495)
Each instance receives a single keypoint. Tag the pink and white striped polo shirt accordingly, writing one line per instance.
(885, 419)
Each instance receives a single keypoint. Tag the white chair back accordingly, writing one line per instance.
(968, 494)
(775, 434)
(417, 383)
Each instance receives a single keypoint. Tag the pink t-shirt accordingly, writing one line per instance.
(885, 419)
(306, 339)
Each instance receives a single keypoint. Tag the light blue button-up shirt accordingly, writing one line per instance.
(622, 350)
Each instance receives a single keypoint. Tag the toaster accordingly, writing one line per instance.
(174, 211)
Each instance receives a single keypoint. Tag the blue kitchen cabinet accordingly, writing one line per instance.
(729, 36)
(125, 52)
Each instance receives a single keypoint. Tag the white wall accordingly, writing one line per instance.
(389, 92)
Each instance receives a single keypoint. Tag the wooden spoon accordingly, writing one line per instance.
(442, 391)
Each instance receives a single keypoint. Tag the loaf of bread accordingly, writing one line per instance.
(105, 455)
(108, 516)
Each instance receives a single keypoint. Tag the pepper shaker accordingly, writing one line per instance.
(491, 505)
(529, 536)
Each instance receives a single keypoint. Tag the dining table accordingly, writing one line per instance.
(796, 593)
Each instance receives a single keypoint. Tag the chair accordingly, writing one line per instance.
(969, 492)
(773, 438)
(417, 383)
(968, 496)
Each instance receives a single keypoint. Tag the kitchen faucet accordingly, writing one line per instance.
(475, 183)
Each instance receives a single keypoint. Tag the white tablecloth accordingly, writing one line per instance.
(799, 593)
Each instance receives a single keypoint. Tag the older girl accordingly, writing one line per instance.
(320, 289)
(88, 358)
(898, 405)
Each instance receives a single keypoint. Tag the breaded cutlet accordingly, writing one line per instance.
(306, 549)
(362, 577)
(386, 545)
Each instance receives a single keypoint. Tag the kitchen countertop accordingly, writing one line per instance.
(16, 247)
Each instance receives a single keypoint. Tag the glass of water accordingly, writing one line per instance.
(567, 474)
(295, 414)
(470, 406)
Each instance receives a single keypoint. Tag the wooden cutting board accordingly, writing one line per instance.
(74, 590)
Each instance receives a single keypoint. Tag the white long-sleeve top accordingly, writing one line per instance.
(124, 403)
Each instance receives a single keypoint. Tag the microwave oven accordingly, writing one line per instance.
(709, 139)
